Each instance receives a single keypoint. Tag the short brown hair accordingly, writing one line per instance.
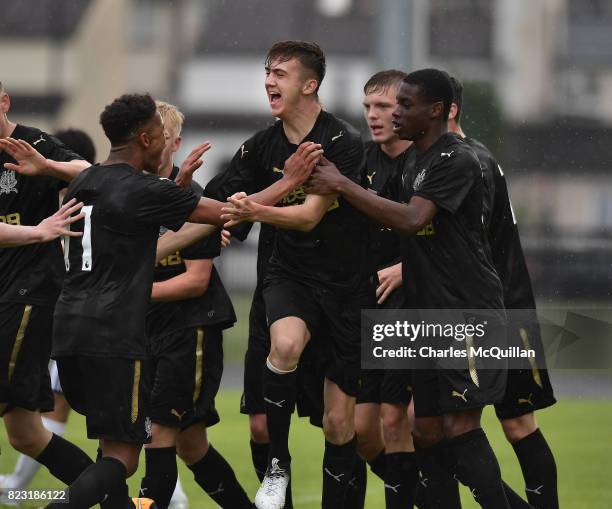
(381, 81)
(309, 54)
(171, 115)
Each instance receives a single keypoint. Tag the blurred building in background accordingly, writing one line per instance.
(538, 81)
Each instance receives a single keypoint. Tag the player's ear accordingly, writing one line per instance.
(144, 139)
(453, 112)
(177, 143)
(5, 103)
(437, 109)
(310, 86)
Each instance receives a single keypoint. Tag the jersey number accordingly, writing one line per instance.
(85, 241)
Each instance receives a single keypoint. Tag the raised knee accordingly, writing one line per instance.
(286, 352)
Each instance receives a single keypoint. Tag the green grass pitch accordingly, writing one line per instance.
(579, 433)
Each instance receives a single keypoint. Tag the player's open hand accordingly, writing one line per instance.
(57, 224)
(325, 178)
(389, 279)
(239, 208)
(301, 163)
(191, 164)
(29, 160)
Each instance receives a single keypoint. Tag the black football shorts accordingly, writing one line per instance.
(528, 389)
(186, 370)
(393, 386)
(113, 395)
(25, 348)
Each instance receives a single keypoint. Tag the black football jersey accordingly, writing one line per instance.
(214, 307)
(446, 263)
(332, 254)
(102, 308)
(503, 235)
(381, 173)
(31, 274)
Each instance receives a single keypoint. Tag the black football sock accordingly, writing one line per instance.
(401, 478)
(64, 459)
(377, 465)
(420, 500)
(355, 494)
(514, 499)
(437, 488)
(279, 397)
(104, 477)
(475, 465)
(118, 499)
(259, 455)
(539, 470)
(216, 477)
(338, 467)
(160, 475)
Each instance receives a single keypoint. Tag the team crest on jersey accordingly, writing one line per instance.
(8, 182)
(418, 180)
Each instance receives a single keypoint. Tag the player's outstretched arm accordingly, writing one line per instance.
(303, 217)
(295, 172)
(31, 162)
(47, 230)
(188, 285)
(208, 211)
(189, 233)
(405, 218)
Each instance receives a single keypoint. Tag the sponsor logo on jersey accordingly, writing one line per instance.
(427, 230)
(339, 135)
(370, 176)
(14, 218)
(172, 259)
(8, 182)
(298, 196)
